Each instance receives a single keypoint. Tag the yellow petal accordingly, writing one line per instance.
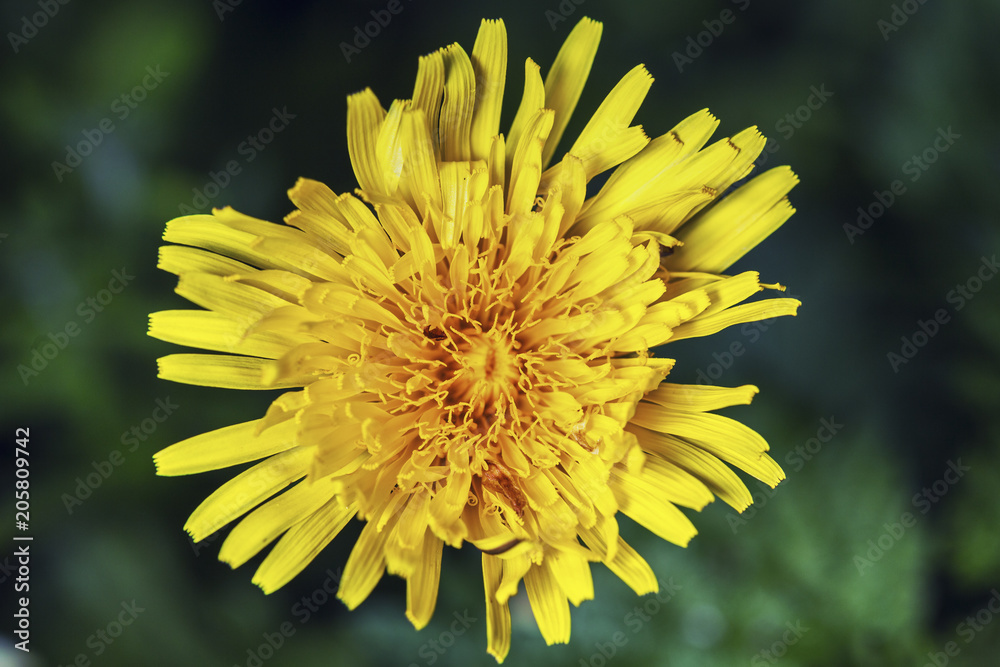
(398, 220)
(301, 545)
(745, 147)
(572, 572)
(726, 438)
(316, 214)
(457, 106)
(248, 489)
(218, 332)
(680, 190)
(446, 508)
(221, 370)
(607, 139)
(638, 498)
(666, 482)
(458, 185)
(179, 259)
(514, 569)
(631, 568)
(387, 149)
(337, 444)
(257, 242)
(420, 181)
(730, 291)
(571, 184)
(526, 168)
(600, 536)
(600, 270)
(287, 286)
(364, 118)
(638, 182)
(548, 603)
(208, 232)
(566, 79)
(496, 161)
(227, 296)
(497, 613)
(642, 337)
(365, 566)
(731, 228)
(413, 520)
(700, 398)
(422, 586)
(748, 312)
(299, 256)
(427, 93)
(695, 131)
(592, 477)
(715, 474)
(489, 62)
(224, 447)
(267, 522)
(532, 100)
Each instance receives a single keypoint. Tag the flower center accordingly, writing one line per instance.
(480, 374)
(484, 369)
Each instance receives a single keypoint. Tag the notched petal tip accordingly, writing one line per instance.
(157, 465)
(264, 586)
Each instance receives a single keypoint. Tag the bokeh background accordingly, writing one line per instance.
(817, 572)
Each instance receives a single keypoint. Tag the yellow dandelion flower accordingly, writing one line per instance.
(466, 339)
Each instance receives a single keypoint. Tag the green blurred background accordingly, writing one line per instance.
(783, 584)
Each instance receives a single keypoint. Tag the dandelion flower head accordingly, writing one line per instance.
(465, 342)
